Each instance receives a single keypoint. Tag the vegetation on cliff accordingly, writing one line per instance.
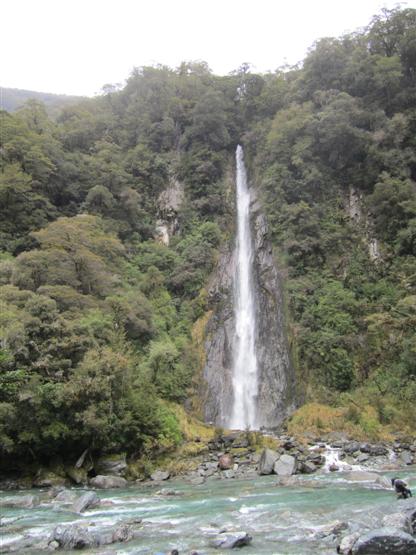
(337, 166)
(96, 316)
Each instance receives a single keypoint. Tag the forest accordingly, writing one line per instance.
(99, 319)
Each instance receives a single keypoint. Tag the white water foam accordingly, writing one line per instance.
(332, 458)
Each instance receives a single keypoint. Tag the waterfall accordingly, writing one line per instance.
(244, 376)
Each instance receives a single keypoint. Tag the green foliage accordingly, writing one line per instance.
(345, 130)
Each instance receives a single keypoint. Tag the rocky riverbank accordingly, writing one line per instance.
(228, 456)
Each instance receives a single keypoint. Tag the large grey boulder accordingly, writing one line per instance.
(400, 521)
(385, 541)
(108, 482)
(111, 465)
(73, 537)
(374, 450)
(411, 515)
(87, 500)
(285, 465)
(351, 447)
(267, 460)
(229, 540)
(20, 501)
(405, 517)
(65, 496)
(160, 475)
(122, 533)
(307, 467)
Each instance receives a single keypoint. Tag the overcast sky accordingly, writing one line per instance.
(77, 46)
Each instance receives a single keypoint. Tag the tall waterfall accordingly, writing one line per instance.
(244, 377)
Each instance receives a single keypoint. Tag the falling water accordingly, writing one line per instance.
(244, 353)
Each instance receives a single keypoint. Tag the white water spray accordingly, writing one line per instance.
(245, 384)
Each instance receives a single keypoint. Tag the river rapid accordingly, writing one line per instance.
(308, 515)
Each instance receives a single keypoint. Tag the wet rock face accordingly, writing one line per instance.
(169, 202)
(276, 393)
(276, 376)
(217, 394)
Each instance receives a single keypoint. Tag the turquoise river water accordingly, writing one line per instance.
(281, 519)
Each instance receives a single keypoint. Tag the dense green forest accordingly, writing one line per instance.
(97, 317)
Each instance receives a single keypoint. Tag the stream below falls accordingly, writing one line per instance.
(291, 519)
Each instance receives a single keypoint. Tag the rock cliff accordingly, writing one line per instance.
(276, 393)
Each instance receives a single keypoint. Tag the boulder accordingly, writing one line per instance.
(406, 457)
(285, 465)
(267, 460)
(373, 450)
(385, 540)
(209, 472)
(111, 465)
(307, 467)
(225, 462)
(351, 447)
(108, 482)
(73, 537)
(87, 500)
(316, 459)
(228, 473)
(400, 521)
(378, 450)
(332, 529)
(363, 457)
(411, 515)
(20, 502)
(65, 496)
(77, 475)
(347, 543)
(122, 533)
(228, 540)
(160, 475)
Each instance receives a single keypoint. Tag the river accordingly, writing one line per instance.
(288, 519)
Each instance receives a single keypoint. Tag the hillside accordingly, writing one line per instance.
(13, 99)
(114, 215)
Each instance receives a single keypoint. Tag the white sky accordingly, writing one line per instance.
(77, 46)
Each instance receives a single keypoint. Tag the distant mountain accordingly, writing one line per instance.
(12, 99)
